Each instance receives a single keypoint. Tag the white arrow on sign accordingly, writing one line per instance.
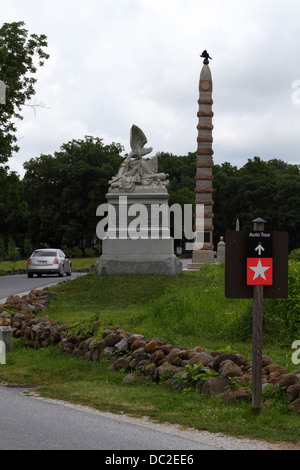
(259, 248)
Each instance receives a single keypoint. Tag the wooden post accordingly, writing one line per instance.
(257, 348)
(257, 328)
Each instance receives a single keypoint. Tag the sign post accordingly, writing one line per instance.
(256, 266)
(257, 322)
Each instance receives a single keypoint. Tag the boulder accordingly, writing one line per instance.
(285, 380)
(228, 368)
(121, 363)
(215, 386)
(293, 392)
(239, 394)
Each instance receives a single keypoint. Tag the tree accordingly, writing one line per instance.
(270, 190)
(13, 253)
(13, 208)
(19, 53)
(63, 191)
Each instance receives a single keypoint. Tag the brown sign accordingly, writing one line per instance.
(237, 267)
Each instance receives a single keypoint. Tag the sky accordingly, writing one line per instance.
(115, 63)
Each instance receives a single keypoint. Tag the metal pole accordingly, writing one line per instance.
(257, 328)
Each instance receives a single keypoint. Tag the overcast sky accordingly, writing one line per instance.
(115, 63)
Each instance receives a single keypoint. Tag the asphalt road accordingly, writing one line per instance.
(20, 283)
(32, 423)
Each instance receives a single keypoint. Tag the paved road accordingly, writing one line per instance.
(30, 423)
(20, 283)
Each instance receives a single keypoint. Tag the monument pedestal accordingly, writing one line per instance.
(138, 257)
(138, 239)
(201, 257)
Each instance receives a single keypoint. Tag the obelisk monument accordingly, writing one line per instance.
(204, 166)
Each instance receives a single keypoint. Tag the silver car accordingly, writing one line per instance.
(48, 261)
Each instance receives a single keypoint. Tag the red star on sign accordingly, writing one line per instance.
(259, 271)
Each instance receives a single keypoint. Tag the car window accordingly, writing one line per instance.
(44, 253)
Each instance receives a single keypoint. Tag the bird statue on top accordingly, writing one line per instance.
(134, 170)
(205, 56)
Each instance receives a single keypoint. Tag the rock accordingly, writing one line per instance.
(239, 394)
(150, 368)
(151, 346)
(295, 405)
(165, 369)
(122, 345)
(140, 354)
(228, 368)
(142, 364)
(286, 380)
(130, 378)
(266, 360)
(121, 363)
(236, 358)
(270, 368)
(201, 358)
(138, 343)
(111, 339)
(157, 356)
(173, 354)
(215, 386)
(5, 321)
(132, 338)
(293, 392)
(177, 362)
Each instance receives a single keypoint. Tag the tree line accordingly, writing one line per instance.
(55, 202)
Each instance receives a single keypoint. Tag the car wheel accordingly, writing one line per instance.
(29, 275)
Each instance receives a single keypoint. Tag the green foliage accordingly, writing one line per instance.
(13, 254)
(276, 397)
(295, 255)
(28, 248)
(193, 376)
(2, 248)
(76, 252)
(270, 190)
(85, 329)
(282, 316)
(20, 54)
(63, 191)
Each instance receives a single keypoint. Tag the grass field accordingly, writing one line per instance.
(189, 310)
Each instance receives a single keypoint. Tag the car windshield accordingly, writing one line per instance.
(44, 253)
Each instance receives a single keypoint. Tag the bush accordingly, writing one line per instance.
(89, 253)
(295, 255)
(282, 316)
(76, 252)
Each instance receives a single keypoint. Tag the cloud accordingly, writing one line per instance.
(115, 63)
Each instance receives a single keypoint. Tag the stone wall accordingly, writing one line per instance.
(224, 374)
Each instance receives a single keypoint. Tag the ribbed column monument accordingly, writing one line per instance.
(204, 166)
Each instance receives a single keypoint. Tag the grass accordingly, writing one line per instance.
(189, 310)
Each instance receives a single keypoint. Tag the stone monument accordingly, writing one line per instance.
(204, 166)
(138, 240)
